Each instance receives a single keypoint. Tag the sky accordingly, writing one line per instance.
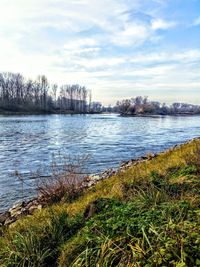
(117, 48)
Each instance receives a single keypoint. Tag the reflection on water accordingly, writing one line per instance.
(28, 142)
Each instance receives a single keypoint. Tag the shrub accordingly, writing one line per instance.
(65, 181)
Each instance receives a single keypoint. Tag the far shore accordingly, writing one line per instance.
(24, 113)
(159, 115)
(70, 112)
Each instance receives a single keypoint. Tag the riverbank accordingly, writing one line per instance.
(62, 112)
(160, 115)
(69, 112)
(24, 208)
(144, 214)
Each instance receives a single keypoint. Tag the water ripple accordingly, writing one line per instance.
(28, 143)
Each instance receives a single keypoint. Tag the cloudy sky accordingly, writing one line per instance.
(116, 48)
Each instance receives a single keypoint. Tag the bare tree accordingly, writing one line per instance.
(19, 94)
(141, 105)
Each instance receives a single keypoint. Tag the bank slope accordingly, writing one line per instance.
(147, 215)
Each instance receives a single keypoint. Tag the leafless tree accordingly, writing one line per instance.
(20, 94)
(141, 105)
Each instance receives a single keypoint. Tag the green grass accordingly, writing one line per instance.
(122, 234)
(148, 215)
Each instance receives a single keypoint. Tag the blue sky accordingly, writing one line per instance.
(116, 48)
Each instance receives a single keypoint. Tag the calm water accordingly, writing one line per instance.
(28, 142)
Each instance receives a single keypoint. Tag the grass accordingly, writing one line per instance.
(148, 215)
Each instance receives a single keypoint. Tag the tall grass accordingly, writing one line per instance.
(39, 244)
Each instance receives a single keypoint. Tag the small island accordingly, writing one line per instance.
(143, 106)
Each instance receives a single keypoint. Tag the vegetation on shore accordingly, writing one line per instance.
(143, 106)
(25, 112)
(26, 96)
(147, 215)
(21, 96)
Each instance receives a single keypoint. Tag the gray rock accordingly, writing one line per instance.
(10, 220)
(16, 209)
(13, 212)
(30, 204)
(32, 209)
(94, 177)
(90, 183)
(18, 205)
(16, 214)
(4, 216)
(39, 207)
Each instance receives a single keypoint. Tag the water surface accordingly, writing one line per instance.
(28, 142)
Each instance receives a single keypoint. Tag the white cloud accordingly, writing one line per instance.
(150, 71)
(192, 55)
(79, 43)
(81, 46)
(99, 44)
(100, 62)
(132, 34)
(160, 24)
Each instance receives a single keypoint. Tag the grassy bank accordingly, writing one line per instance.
(147, 215)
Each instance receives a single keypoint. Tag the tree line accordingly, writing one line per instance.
(20, 94)
(142, 105)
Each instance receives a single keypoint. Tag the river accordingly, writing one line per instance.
(27, 143)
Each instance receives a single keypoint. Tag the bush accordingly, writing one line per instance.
(65, 181)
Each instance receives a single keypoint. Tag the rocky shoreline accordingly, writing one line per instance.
(24, 208)
(27, 208)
